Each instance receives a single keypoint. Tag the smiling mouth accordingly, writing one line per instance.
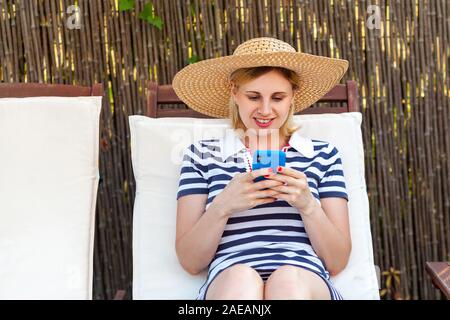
(263, 122)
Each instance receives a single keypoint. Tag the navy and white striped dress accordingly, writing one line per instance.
(270, 235)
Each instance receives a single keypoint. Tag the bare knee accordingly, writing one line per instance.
(236, 282)
(289, 282)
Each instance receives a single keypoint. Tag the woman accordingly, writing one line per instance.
(282, 237)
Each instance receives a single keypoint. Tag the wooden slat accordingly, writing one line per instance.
(164, 94)
(22, 90)
(189, 113)
(152, 102)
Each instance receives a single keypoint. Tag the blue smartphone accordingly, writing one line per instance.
(268, 159)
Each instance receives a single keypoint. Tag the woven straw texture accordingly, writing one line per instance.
(204, 86)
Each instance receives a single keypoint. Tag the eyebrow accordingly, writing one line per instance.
(282, 92)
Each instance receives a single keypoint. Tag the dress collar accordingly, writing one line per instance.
(232, 144)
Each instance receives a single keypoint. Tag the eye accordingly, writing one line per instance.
(277, 99)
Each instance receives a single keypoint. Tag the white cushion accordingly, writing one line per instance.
(48, 187)
(157, 146)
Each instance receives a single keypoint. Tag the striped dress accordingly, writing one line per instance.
(270, 235)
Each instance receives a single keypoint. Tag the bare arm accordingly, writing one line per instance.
(329, 232)
(199, 232)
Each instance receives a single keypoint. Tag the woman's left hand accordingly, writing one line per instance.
(296, 192)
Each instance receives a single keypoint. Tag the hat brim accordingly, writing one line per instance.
(204, 86)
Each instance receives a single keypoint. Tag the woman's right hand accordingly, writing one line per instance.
(242, 193)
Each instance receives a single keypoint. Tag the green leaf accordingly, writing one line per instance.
(193, 59)
(125, 5)
(147, 15)
(157, 22)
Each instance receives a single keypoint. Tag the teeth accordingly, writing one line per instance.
(263, 121)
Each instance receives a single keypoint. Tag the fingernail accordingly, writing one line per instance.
(267, 175)
(270, 170)
(279, 169)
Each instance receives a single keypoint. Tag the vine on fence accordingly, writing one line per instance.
(148, 14)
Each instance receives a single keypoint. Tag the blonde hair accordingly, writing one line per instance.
(244, 75)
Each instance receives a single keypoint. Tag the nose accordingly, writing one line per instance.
(265, 109)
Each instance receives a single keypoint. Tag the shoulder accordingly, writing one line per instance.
(209, 144)
(203, 151)
(326, 152)
(325, 149)
(311, 147)
(204, 145)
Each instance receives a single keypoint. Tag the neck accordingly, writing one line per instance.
(264, 143)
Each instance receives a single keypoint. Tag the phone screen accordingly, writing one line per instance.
(268, 159)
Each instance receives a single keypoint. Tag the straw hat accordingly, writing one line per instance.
(205, 87)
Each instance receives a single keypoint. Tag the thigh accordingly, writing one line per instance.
(237, 281)
(290, 277)
(317, 284)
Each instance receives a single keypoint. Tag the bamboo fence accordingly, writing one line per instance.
(401, 67)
